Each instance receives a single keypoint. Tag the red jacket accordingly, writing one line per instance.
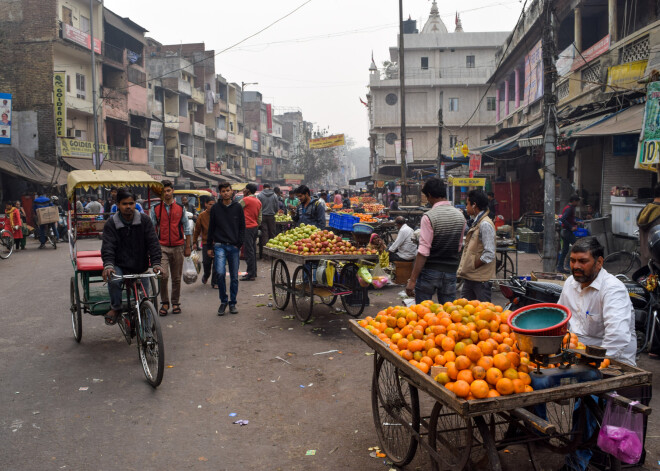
(14, 219)
(170, 229)
(251, 208)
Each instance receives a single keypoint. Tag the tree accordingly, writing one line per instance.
(314, 163)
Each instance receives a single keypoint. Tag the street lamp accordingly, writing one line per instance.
(243, 84)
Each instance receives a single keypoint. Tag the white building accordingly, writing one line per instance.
(445, 71)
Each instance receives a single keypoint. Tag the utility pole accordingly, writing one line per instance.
(402, 93)
(441, 125)
(550, 141)
(94, 87)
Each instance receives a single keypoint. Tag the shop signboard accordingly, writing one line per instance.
(269, 118)
(5, 119)
(155, 130)
(475, 162)
(188, 163)
(648, 149)
(462, 181)
(216, 168)
(76, 148)
(598, 49)
(325, 142)
(82, 39)
(59, 94)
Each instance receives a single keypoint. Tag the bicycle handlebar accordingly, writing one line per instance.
(134, 277)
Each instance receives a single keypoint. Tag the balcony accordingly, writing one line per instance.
(221, 134)
(113, 54)
(210, 134)
(222, 105)
(199, 129)
(197, 96)
(171, 121)
(118, 154)
(436, 76)
(178, 85)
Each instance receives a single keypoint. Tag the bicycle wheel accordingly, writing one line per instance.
(504, 266)
(52, 239)
(6, 244)
(76, 311)
(150, 344)
(355, 302)
(621, 263)
(280, 282)
(303, 295)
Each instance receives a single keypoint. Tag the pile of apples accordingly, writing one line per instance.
(374, 208)
(325, 243)
(286, 239)
(282, 217)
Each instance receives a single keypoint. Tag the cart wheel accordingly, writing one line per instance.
(150, 344)
(6, 244)
(303, 296)
(280, 282)
(329, 300)
(450, 435)
(353, 303)
(499, 429)
(504, 266)
(395, 406)
(76, 311)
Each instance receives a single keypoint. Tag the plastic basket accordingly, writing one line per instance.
(545, 319)
(363, 228)
(581, 232)
(343, 222)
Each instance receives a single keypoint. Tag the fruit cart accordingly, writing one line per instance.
(302, 286)
(461, 434)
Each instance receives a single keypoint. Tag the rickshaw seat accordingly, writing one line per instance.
(89, 264)
(88, 253)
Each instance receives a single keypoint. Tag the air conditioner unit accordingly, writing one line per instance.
(81, 134)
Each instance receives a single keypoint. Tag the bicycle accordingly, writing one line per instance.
(622, 262)
(6, 242)
(139, 319)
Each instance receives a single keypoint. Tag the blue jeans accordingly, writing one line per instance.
(229, 255)
(116, 292)
(567, 239)
(431, 281)
(42, 232)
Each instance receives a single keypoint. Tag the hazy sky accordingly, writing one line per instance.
(316, 59)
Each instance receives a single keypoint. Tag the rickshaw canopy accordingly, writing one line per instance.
(86, 179)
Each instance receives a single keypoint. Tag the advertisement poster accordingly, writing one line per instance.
(5, 118)
(325, 142)
(648, 150)
(533, 74)
(76, 148)
(269, 118)
(410, 155)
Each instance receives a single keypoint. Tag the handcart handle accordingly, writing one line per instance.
(625, 402)
(534, 421)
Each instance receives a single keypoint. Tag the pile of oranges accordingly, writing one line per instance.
(470, 339)
(365, 217)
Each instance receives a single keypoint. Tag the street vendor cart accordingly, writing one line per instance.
(302, 286)
(88, 292)
(459, 433)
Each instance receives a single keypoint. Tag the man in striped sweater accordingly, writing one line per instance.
(440, 243)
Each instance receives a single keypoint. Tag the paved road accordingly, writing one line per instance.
(216, 366)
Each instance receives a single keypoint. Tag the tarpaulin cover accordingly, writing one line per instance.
(13, 162)
(87, 179)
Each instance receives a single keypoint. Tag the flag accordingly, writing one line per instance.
(363, 102)
(456, 20)
(372, 56)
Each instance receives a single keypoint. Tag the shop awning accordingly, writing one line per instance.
(366, 178)
(87, 164)
(155, 174)
(628, 121)
(580, 125)
(15, 163)
(510, 143)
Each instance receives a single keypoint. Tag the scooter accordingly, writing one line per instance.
(522, 293)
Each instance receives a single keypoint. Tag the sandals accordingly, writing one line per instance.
(163, 310)
(111, 320)
(176, 308)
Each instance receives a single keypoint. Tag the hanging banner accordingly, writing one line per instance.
(269, 118)
(325, 142)
(5, 119)
(409, 151)
(475, 162)
(155, 130)
(59, 99)
(533, 74)
(648, 149)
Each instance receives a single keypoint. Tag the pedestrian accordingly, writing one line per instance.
(280, 200)
(403, 249)
(291, 202)
(269, 207)
(13, 223)
(226, 236)
(440, 243)
(477, 265)
(322, 199)
(202, 229)
(647, 219)
(43, 202)
(110, 202)
(346, 202)
(310, 210)
(252, 210)
(338, 198)
(394, 205)
(129, 246)
(568, 225)
(492, 206)
(174, 234)
(94, 207)
(24, 226)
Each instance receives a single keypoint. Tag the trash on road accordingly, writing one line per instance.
(333, 450)
(232, 414)
(260, 305)
(282, 359)
(310, 453)
(323, 353)
(241, 422)
(170, 366)
(259, 295)
(96, 380)
(369, 354)
(83, 388)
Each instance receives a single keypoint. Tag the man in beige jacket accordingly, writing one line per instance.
(477, 265)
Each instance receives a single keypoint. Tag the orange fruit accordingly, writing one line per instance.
(503, 348)
(427, 360)
(416, 345)
(433, 352)
(401, 322)
(450, 356)
(440, 360)
(418, 355)
(406, 355)
(510, 373)
(528, 388)
(450, 386)
(493, 393)
(461, 389)
(473, 353)
(525, 378)
(402, 344)
(484, 334)
(429, 344)
(514, 358)
(479, 372)
(485, 362)
(479, 388)
(493, 375)
(391, 322)
(465, 375)
(463, 362)
(504, 386)
(518, 386)
(442, 378)
(423, 367)
(486, 347)
(448, 344)
(459, 348)
(452, 371)
(501, 362)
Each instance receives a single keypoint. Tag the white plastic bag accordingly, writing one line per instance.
(196, 258)
(189, 271)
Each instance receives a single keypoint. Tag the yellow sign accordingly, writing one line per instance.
(458, 181)
(649, 155)
(325, 142)
(59, 99)
(294, 176)
(626, 75)
(76, 148)
(465, 150)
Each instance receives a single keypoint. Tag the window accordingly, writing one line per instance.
(453, 140)
(67, 16)
(84, 24)
(68, 83)
(453, 104)
(491, 105)
(231, 126)
(80, 86)
(425, 63)
(469, 62)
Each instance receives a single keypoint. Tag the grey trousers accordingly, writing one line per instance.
(480, 290)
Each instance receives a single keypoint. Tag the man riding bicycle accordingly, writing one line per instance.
(129, 245)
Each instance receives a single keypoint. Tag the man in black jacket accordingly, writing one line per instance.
(129, 245)
(226, 235)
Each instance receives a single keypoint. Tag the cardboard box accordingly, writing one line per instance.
(47, 215)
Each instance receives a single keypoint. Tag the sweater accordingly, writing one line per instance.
(269, 204)
(226, 225)
(131, 247)
(252, 210)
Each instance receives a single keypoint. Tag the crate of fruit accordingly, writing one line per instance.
(343, 222)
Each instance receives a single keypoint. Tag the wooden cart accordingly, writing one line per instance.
(460, 433)
(302, 287)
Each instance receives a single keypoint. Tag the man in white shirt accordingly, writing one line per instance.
(403, 248)
(602, 314)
